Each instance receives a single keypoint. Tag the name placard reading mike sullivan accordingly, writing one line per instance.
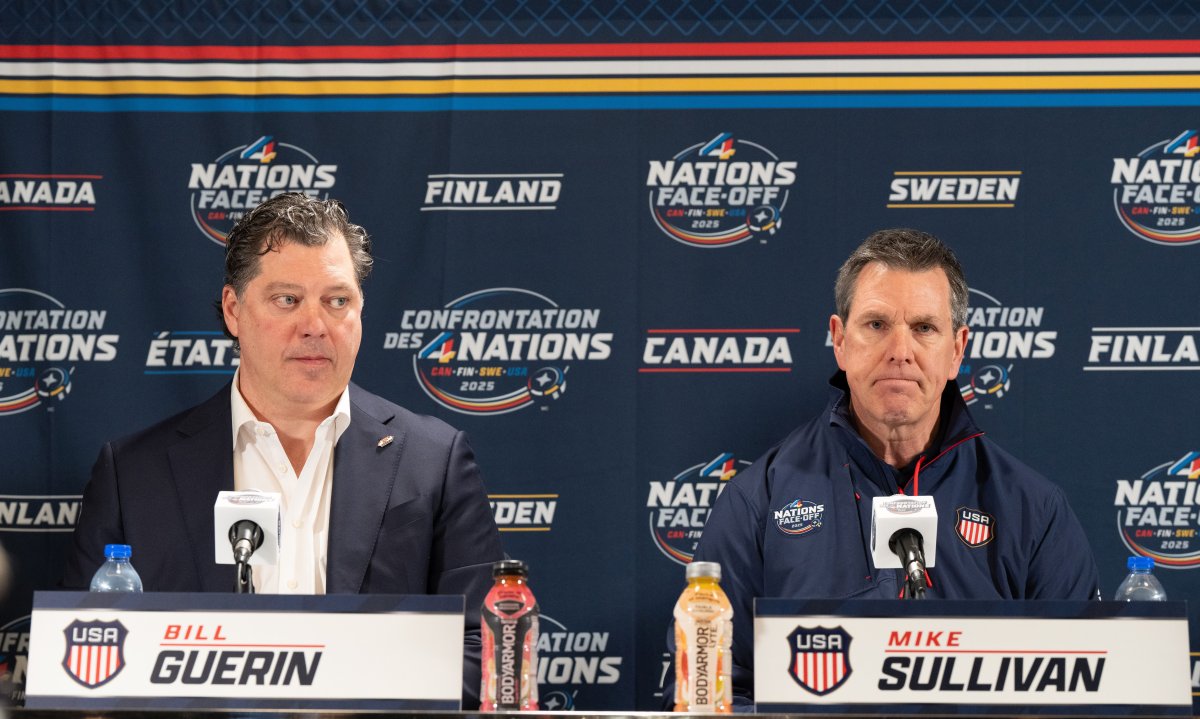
(978, 656)
(175, 651)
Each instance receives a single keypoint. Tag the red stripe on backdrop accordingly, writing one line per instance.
(44, 208)
(55, 176)
(263, 53)
(768, 330)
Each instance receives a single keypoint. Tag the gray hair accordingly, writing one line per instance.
(289, 217)
(903, 249)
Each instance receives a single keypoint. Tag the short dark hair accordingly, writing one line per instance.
(289, 217)
(903, 249)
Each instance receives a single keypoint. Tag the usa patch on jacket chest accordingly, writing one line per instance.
(799, 516)
(975, 527)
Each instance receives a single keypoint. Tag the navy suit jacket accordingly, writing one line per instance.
(411, 517)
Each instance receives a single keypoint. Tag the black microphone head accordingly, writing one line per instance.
(245, 529)
(908, 535)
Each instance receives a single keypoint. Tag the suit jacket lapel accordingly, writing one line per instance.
(202, 466)
(363, 476)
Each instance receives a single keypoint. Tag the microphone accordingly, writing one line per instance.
(907, 545)
(904, 536)
(246, 528)
(246, 536)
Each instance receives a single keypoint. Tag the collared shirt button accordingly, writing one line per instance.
(297, 523)
(291, 584)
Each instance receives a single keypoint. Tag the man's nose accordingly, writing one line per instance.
(900, 345)
(312, 320)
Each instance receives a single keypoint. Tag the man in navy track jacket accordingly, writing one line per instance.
(895, 424)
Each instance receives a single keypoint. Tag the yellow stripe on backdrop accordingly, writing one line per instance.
(570, 86)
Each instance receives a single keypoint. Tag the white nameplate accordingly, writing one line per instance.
(173, 651)
(1047, 657)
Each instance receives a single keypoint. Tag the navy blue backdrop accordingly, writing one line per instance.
(606, 238)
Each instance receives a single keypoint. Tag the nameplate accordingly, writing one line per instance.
(191, 651)
(971, 657)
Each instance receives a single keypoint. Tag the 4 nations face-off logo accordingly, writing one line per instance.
(14, 659)
(499, 350)
(1156, 193)
(242, 178)
(571, 660)
(680, 506)
(1158, 514)
(41, 343)
(704, 197)
(999, 334)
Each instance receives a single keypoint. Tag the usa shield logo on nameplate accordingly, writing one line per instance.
(95, 651)
(820, 658)
(975, 527)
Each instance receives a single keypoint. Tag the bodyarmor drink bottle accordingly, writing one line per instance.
(703, 637)
(510, 636)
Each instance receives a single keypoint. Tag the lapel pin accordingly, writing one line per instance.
(385, 441)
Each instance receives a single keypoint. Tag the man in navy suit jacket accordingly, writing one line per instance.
(401, 495)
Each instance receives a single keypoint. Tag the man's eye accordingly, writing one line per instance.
(924, 329)
(875, 324)
(339, 302)
(285, 300)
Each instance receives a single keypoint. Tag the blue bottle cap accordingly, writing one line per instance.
(1146, 563)
(117, 551)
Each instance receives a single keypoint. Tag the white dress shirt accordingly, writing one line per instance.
(259, 462)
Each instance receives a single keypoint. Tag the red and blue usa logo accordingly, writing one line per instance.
(975, 527)
(820, 658)
(95, 651)
(800, 516)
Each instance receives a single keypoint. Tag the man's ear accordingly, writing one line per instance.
(960, 346)
(837, 334)
(230, 309)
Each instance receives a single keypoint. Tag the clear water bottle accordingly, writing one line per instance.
(116, 574)
(1140, 585)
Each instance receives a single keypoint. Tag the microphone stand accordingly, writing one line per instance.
(914, 589)
(245, 536)
(245, 578)
(909, 546)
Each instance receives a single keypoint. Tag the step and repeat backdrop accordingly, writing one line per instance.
(606, 235)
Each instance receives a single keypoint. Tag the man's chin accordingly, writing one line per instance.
(305, 389)
(896, 414)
